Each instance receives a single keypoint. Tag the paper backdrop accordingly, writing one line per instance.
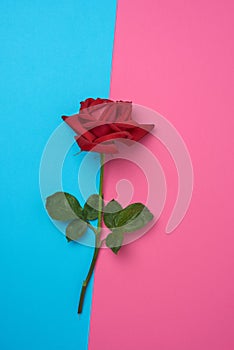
(53, 55)
(175, 292)
(163, 291)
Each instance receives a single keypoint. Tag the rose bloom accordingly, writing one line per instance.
(101, 121)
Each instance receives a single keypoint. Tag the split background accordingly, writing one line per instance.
(164, 292)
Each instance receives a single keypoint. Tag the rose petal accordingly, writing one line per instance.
(124, 126)
(109, 113)
(140, 131)
(113, 136)
(101, 130)
(86, 103)
(92, 102)
(86, 116)
(128, 126)
(124, 111)
(93, 147)
(115, 127)
(94, 109)
(75, 124)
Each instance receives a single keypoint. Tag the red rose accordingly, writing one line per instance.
(100, 122)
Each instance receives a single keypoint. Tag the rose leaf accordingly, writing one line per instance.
(90, 211)
(114, 241)
(133, 217)
(63, 206)
(110, 211)
(75, 229)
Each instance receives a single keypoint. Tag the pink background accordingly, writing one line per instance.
(175, 291)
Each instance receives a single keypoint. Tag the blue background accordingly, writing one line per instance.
(53, 54)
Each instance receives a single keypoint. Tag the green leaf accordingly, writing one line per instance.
(90, 211)
(75, 230)
(110, 210)
(114, 241)
(63, 206)
(133, 217)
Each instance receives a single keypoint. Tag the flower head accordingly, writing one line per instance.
(100, 122)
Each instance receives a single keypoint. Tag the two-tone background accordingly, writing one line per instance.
(163, 292)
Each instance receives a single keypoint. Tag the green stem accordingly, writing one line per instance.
(98, 242)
